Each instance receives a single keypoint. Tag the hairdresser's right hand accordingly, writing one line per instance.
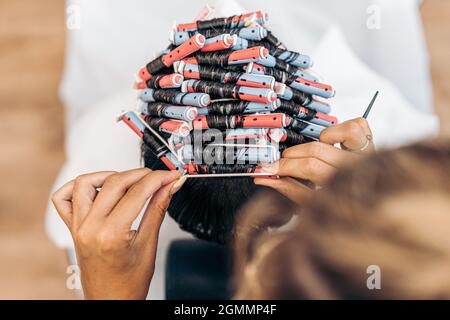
(115, 261)
(317, 161)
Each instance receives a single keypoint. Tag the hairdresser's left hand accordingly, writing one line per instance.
(317, 161)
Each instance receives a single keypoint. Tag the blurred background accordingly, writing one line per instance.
(32, 50)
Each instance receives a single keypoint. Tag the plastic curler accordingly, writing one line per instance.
(246, 133)
(200, 100)
(306, 128)
(256, 81)
(176, 127)
(195, 170)
(230, 22)
(255, 33)
(300, 112)
(226, 90)
(255, 107)
(288, 137)
(232, 107)
(296, 96)
(154, 141)
(267, 61)
(240, 44)
(195, 43)
(294, 58)
(248, 55)
(305, 74)
(168, 81)
(311, 87)
(220, 42)
(201, 72)
(228, 59)
(134, 122)
(255, 68)
(306, 100)
(272, 120)
(160, 109)
(319, 105)
(237, 152)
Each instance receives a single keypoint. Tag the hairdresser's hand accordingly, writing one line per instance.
(116, 262)
(317, 161)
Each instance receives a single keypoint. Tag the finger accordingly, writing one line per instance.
(154, 215)
(325, 152)
(352, 134)
(311, 169)
(84, 193)
(289, 187)
(62, 200)
(365, 125)
(131, 204)
(114, 188)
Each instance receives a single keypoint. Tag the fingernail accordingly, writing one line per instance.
(177, 186)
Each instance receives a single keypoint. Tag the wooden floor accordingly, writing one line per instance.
(31, 140)
(31, 135)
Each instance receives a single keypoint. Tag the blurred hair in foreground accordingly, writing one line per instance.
(391, 210)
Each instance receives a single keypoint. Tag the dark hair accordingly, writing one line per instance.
(206, 207)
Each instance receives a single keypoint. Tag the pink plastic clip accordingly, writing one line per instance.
(225, 42)
(195, 43)
(168, 81)
(191, 74)
(265, 96)
(258, 52)
(273, 120)
(177, 127)
(326, 117)
(190, 60)
(254, 66)
(171, 80)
